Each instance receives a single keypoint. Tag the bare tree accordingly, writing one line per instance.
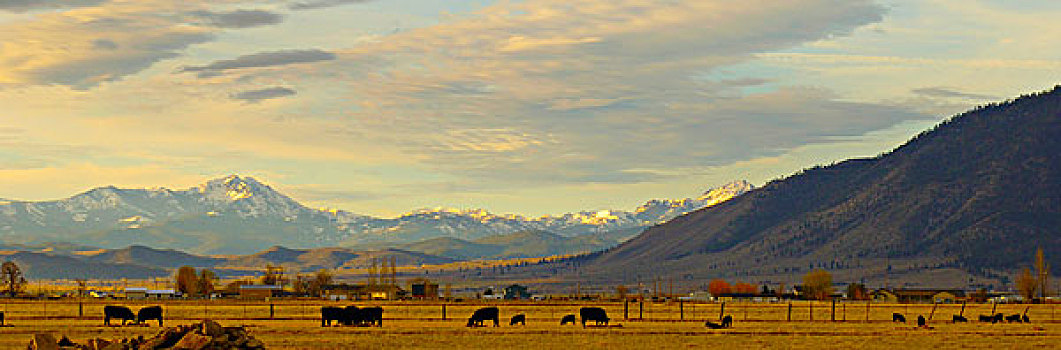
(12, 278)
(205, 282)
(187, 281)
(1027, 284)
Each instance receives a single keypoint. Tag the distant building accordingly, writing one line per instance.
(489, 294)
(422, 288)
(260, 291)
(136, 293)
(918, 295)
(516, 292)
(161, 294)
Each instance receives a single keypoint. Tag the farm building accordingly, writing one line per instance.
(918, 295)
(422, 288)
(136, 293)
(162, 294)
(517, 292)
(248, 291)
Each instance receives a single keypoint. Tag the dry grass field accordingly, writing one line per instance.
(296, 324)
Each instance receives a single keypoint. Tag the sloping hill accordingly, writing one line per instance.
(48, 266)
(140, 255)
(979, 193)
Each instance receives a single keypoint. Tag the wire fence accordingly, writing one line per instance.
(634, 311)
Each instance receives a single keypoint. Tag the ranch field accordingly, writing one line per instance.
(295, 324)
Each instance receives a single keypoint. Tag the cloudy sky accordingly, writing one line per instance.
(533, 107)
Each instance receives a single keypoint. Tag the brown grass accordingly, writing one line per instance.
(419, 325)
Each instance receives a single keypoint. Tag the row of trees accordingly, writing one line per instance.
(192, 283)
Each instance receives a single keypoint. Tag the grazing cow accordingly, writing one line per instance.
(920, 321)
(727, 321)
(1023, 318)
(568, 319)
(352, 316)
(330, 313)
(959, 318)
(898, 317)
(1013, 318)
(373, 316)
(987, 318)
(150, 313)
(998, 318)
(595, 314)
(521, 319)
(484, 314)
(117, 312)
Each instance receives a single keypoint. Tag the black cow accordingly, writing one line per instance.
(373, 316)
(987, 318)
(330, 313)
(484, 314)
(959, 318)
(521, 319)
(568, 319)
(998, 318)
(727, 322)
(1013, 318)
(595, 314)
(117, 312)
(150, 313)
(898, 317)
(920, 321)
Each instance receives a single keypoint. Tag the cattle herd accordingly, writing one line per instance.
(996, 318)
(373, 317)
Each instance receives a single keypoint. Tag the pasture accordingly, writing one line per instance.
(296, 324)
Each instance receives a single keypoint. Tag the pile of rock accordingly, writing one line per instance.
(203, 335)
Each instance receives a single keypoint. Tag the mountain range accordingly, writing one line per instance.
(975, 196)
(240, 215)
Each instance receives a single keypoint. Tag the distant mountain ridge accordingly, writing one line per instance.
(239, 215)
(978, 193)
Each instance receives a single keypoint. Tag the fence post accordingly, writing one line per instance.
(272, 311)
(844, 308)
(934, 306)
(790, 311)
(626, 309)
(994, 305)
(722, 311)
(811, 310)
(833, 314)
(641, 309)
(80, 309)
(443, 311)
(962, 313)
(681, 310)
(867, 310)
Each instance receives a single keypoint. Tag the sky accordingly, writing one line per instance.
(534, 107)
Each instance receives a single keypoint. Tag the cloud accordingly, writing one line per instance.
(950, 93)
(607, 91)
(318, 4)
(240, 18)
(84, 47)
(104, 44)
(319, 193)
(30, 5)
(261, 60)
(253, 96)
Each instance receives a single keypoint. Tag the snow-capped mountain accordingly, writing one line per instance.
(239, 214)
